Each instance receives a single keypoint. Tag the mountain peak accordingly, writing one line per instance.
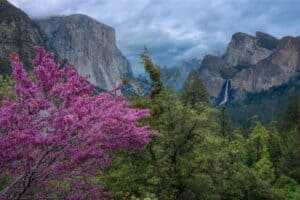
(245, 49)
(240, 36)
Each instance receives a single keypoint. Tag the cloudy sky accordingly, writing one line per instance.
(177, 29)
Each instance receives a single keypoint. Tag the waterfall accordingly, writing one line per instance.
(226, 93)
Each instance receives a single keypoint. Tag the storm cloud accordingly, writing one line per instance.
(177, 29)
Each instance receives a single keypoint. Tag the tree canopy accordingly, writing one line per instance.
(58, 131)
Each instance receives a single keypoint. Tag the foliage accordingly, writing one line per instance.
(5, 69)
(291, 116)
(90, 139)
(170, 165)
(290, 133)
(264, 170)
(58, 135)
(289, 187)
(192, 160)
(153, 72)
(6, 87)
(257, 145)
(183, 145)
(225, 122)
(193, 89)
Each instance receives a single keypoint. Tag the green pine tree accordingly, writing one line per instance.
(193, 90)
(225, 124)
(153, 72)
(290, 134)
(291, 116)
(257, 144)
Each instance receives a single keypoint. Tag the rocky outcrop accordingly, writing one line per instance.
(273, 71)
(253, 64)
(245, 49)
(88, 45)
(17, 34)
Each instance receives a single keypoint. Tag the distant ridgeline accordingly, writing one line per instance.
(254, 77)
(78, 39)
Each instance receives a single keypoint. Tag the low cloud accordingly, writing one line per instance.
(176, 29)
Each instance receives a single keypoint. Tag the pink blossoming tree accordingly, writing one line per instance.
(59, 131)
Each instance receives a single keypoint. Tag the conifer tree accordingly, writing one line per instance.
(194, 90)
(291, 116)
(153, 72)
(290, 134)
(225, 125)
(257, 144)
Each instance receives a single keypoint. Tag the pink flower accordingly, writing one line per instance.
(57, 129)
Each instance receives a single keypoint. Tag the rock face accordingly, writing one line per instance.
(245, 49)
(253, 64)
(88, 45)
(17, 34)
(82, 41)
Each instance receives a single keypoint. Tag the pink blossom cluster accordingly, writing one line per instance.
(58, 129)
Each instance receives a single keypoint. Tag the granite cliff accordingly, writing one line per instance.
(88, 45)
(78, 39)
(252, 64)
